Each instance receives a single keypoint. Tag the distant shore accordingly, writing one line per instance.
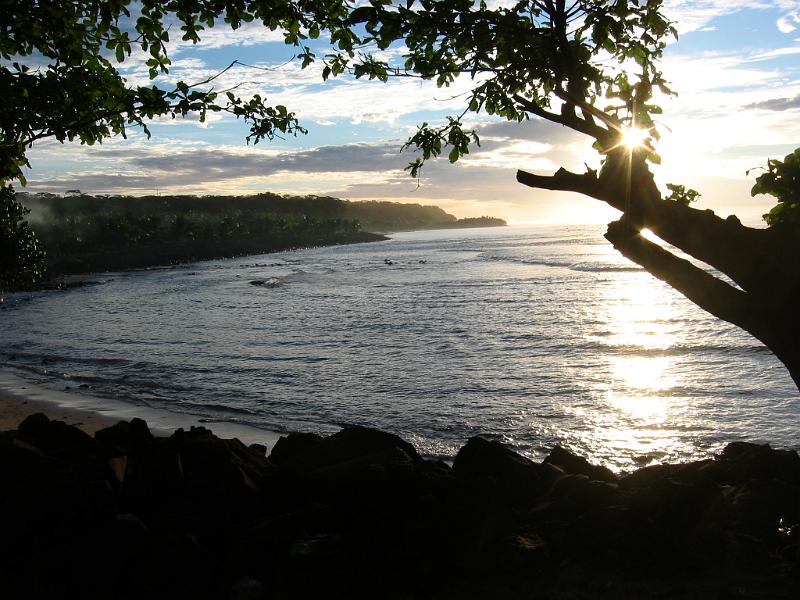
(187, 251)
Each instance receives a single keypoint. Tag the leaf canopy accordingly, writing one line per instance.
(59, 76)
(591, 65)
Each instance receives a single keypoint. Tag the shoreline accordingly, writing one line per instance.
(20, 398)
(172, 253)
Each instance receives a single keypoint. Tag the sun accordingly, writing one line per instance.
(633, 137)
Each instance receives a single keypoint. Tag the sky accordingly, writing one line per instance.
(735, 67)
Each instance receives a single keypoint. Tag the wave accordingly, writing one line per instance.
(585, 267)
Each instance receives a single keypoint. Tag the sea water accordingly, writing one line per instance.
(533, 336)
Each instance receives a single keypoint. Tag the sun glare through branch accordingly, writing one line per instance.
(633, 137)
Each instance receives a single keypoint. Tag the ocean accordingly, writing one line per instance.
(530, 335)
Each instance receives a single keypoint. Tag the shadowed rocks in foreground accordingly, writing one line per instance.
(360, 514)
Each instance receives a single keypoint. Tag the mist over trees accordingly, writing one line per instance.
(84, 233)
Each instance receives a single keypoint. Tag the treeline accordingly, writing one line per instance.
(80, 223)
(81, 232)
(479, 222)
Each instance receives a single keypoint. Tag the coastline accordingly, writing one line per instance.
(20, 398)
(190, 251)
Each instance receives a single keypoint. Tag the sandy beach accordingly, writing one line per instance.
(20, 398)
(15, 407)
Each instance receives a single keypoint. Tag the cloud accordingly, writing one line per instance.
(788, 23)
(696, 15)
(776, 104)
(482, 183)
(143, 166)
(776, 53)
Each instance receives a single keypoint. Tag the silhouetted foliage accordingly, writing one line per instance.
(480, 222)
(81, 223)
(679, 193)
(21, 257)
(782, 180)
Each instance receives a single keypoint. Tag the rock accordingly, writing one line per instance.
(584, 493)
(513, 554)
(670, 511)
(307, 452)
(519, 479)
(577, 465)
(224, 469)
(152, 472)
(124, 436)
(704, 472)
(291, 449)
(259, 449)
(55, 437)
(248, 588)
(360, 513)
(740, 462)
(20, 461)
(344, 473)
(758, 508)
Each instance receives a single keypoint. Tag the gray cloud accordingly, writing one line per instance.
(213, 164)
(534, 130)
(776, 104)
(142, 168)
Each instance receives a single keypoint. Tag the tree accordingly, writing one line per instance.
(60, 80)
(21, 257)
(592, 66)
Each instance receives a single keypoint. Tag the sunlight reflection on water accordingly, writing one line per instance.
(533, 336)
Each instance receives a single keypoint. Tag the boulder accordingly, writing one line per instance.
(308, 452)
(55, 437)
(218, 473)
(578, 465)
(518, 479)
(740, 462)
(124, 436)
(248, 588)
(703, 472)
(521, 552)
(290, 450)
(583, 493)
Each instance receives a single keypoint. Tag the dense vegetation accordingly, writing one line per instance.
(479, 222)
(90, 233)
(21, 256)
(80, 223)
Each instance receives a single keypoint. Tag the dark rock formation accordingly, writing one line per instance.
(360, 514)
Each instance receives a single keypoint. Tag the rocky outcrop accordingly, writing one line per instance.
(360, 514)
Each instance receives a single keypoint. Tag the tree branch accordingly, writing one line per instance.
(711, 294)
(756, 259)
(565, 181)
(570, 120)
